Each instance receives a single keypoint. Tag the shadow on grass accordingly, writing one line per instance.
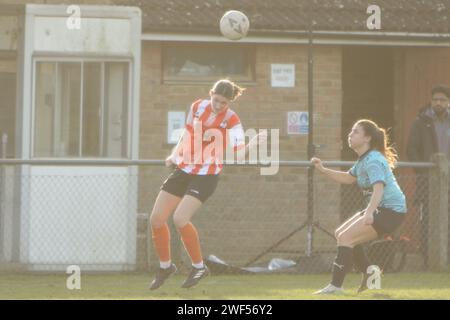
(382, 296)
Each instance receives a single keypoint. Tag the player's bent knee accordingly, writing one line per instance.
(180, 221)
(156, 222)
(336, 234)
(339, 234)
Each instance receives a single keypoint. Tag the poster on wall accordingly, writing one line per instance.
(283, 75)
(175, 126)
(297, 122)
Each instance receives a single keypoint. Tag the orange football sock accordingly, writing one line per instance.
(189, 236)
(161, 242)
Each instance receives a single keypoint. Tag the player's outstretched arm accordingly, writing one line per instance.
(338, 176)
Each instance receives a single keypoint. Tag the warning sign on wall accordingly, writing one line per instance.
(297, 122)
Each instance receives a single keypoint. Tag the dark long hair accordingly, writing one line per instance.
(380, 140)
(227, 89)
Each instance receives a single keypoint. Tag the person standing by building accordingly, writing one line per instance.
(429, 134)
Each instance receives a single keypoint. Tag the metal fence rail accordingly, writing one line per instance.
(94, 213)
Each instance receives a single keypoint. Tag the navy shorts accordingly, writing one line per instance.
(386, 221)
(179, 184)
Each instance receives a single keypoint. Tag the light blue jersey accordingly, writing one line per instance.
(372, 167)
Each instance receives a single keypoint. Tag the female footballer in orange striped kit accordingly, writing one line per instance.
(195, 177)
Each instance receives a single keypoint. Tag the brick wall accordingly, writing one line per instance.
(249, 212)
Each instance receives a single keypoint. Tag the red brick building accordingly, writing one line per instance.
(383, 74)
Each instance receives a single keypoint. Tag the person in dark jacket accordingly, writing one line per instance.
(430, 134)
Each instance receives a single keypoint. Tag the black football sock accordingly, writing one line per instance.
(341, 265)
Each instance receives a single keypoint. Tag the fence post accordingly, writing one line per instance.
(4, 145)
(438, 213)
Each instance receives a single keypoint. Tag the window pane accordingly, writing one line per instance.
(67, 111)
(204, 63)
(8, 109)
(57, 122)
(116, 110)
(91, 109)
(101, 121)
(44, 106)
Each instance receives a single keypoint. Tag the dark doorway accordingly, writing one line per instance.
(368, 85)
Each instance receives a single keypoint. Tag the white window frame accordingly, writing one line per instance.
(82, 60)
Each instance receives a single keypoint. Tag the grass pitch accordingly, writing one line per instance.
(239, 287)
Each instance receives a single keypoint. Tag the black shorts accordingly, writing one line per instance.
(179, 183)
(386, 221)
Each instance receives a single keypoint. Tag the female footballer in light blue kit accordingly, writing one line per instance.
(386, 207)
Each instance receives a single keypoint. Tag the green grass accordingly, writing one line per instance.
(259, 287)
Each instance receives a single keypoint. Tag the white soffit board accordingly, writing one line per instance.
(96, 35)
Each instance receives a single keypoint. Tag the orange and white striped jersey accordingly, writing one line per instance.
(206, 137)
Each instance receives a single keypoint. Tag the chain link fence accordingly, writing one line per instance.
(95, 215)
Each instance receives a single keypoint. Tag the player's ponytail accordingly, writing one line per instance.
(380, 140)
(227, 88)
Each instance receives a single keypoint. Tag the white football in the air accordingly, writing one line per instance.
(234, 25)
